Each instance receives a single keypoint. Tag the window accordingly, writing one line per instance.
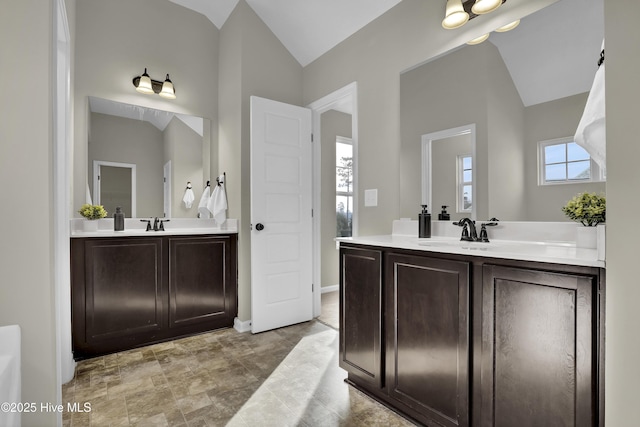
(465, 183)
(344, 187)
(563, 161)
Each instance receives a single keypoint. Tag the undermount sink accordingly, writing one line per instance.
(461, 244)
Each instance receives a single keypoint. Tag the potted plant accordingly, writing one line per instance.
(91, 213)
(589, 209)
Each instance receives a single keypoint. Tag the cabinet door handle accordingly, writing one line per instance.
(259, 226)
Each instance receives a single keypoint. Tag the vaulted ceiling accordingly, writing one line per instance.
(552, 54)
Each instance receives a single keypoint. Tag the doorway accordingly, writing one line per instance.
(114, 184)
(335, 192)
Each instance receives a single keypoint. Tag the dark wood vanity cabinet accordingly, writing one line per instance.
(427, 336)
(361, 314)
(538, 358)
(472, 341)
(131, 291)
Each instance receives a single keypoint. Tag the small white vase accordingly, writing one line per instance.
(586, 237)
(90, 225)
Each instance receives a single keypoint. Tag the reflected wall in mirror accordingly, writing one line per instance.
(167, 149)
(448, 155)
(519, 88)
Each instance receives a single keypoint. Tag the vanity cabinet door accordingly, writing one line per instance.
(117, 292)
(361, 315)
(538, 366)
(427, 337)
(202, 286)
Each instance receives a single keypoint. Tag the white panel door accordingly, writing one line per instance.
(281, 202)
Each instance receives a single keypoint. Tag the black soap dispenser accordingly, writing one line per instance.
(424, 223)
(444, 215)
(118, 219)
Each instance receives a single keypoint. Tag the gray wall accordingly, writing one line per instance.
(334, 123)
(551, 120)
(252, 62)
(623, 177)
(117, 39)
(26, 265)
(117, 139)
(184, 149)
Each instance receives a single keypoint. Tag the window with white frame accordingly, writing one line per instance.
(344, 187)
(465, 183)
(562, 161)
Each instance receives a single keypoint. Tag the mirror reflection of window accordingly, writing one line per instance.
(344, 187)
(562, 161)
(465, 183)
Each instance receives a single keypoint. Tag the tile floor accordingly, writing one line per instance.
(285, 377)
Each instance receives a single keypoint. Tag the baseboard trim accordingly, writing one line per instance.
(332, 288)
(241, 326)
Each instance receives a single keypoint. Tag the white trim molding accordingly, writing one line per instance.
(242, 326)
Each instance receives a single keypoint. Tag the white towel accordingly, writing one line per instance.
(591, 132)
(218, 203)
(204, 200)
(189, 197)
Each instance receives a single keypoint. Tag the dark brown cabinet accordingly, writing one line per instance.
(132, 291)
(473, 341)
(427, 334)
(361, 315)
(538, 362)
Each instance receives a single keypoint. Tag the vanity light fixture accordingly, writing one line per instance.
(508, 27)
(455, 16)
(478, 40)
(480, 7)
(458, 12)
(145, 84)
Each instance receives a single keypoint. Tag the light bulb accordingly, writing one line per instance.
(480, 7)
(455, 16)
(144, 85)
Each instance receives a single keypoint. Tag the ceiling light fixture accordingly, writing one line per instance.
(145, 84)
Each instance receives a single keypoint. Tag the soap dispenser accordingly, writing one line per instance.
(118, 219)
(444, 215)
(424, 223)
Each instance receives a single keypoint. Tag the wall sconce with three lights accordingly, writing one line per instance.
(144, 84)
(457, 13)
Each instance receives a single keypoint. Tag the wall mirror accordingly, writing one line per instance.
(517, 88)
(142, 159)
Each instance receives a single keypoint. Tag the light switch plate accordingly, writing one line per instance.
(371, 197)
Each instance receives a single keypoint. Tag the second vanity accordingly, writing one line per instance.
(451, 334)
(135, 287)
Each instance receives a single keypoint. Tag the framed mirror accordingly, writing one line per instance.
(152, 154)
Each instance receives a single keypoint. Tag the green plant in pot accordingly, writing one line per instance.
(92, 212)
(588, 209)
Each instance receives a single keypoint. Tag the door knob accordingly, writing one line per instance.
(259, 226)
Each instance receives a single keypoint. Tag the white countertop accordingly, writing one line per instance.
(554, 252)
(175, 227)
